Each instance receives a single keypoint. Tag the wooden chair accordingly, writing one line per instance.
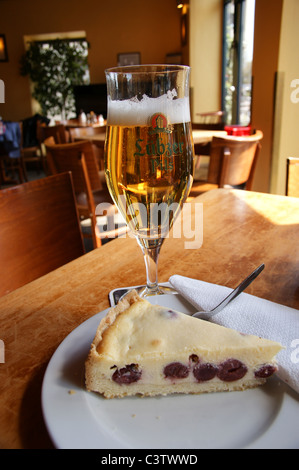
(33, 154)
(58, 132)
(232, 163)
(79, 158)
(209, 121)
(81, 133)
(292, 179)
(39, 230)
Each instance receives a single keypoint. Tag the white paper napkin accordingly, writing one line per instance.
(251, 315)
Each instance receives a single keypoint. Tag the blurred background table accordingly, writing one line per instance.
(199, 136)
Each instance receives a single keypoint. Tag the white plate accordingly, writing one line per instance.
(265, 417)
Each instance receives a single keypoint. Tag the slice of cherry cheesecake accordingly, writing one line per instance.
(146, 349)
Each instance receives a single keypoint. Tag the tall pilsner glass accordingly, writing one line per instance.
(149, 153)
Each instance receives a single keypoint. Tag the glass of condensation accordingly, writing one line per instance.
(149, 154)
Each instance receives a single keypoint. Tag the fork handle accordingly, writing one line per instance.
(242, 286)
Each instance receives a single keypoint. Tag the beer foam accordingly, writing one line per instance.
(135, 112)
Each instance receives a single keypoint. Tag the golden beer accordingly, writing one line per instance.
(149, 154)
(149, 172)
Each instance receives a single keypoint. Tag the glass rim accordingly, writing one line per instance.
(147, 68)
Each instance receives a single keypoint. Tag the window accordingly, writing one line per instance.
(238, 38)
(56, 63)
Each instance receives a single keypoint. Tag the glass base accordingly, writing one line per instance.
(117, 294)
(145, 291)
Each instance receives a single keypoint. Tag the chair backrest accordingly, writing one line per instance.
(39, 230)
(233, 160)
(58, 132)
(209, 121)
(79, 158)
(292, 180)
(67, 157)
(82, 133)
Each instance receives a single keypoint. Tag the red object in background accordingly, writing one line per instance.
(237, 130)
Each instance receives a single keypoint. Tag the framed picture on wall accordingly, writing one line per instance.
(128, 58)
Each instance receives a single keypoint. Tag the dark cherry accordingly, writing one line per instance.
(176, 370)
(265, 371)
(204, 372)
(231, 370)
(127, 375)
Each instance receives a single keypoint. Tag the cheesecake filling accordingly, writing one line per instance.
(194, 371)
(144, 349)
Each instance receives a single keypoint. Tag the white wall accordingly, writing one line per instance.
(286, 127)
(205, 55)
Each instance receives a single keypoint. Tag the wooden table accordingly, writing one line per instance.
(73, 123)
(240, 230)
(206, 136)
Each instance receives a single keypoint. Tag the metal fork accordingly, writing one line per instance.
(242, 286)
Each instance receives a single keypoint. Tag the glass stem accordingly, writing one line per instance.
(151, 251)
(151, 256)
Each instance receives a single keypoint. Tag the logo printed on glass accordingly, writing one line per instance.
(159, 124)
(161, 145)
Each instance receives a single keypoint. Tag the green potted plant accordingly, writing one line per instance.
(54, 68)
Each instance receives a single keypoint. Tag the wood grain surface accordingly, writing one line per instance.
(240, 230)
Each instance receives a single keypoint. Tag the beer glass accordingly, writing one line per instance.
(149, 153)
